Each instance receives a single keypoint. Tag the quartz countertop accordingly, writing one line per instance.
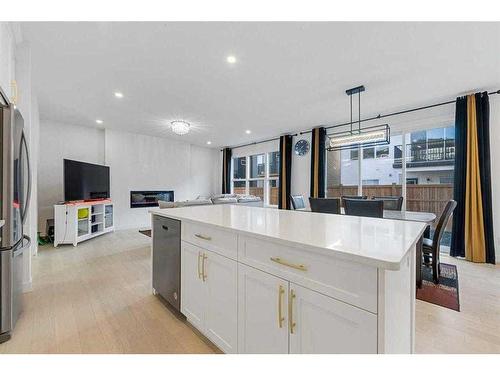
(381, 243)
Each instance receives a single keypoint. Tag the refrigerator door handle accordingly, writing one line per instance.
(28, 191)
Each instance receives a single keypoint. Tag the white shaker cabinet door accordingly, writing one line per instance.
(325, 325)
(221, 317)
(262, 312)
(193, 291)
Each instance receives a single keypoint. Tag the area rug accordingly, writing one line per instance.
(146, 232)
(443, 294)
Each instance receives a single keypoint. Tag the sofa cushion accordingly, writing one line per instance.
(224, 200)
(165, 204)
(193, 202)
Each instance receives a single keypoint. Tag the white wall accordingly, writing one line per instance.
(137, 162)
(140, 162)
(58, 142)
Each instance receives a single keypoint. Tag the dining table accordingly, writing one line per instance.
(425, 217)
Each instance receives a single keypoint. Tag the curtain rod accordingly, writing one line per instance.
(363, 120)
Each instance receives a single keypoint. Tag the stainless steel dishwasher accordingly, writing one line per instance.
(167, 259)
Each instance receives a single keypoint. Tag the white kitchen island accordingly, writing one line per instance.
(263, 280)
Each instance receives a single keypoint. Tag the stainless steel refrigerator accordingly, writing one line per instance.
(15, 186)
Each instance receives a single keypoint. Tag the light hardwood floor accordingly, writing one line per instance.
(96, 298)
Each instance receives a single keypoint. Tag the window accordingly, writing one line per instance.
(382, 151)
(257, 166)
(257, 175)
(368, 153)
(428, 156)
(274, 164)
(372, 181)
(239, 168)
(412, 181)
(239, 187)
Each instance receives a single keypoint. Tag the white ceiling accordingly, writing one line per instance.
(289, 76)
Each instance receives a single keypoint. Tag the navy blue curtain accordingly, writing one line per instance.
(226, 171)
(457, 248)
(285, 175)
(318, 155)
(483, 140)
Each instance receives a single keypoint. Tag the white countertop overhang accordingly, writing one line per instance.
(380, 243)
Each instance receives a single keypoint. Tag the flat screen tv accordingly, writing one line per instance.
(84, 181)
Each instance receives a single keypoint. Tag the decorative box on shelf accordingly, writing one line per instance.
(79, 221)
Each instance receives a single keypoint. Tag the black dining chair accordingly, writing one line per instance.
(363, 207)
(430, 247)
(325, 205)
(354, 197)
(298, 202)
(391, 203)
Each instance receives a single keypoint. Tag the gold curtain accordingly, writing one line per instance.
(475, 250)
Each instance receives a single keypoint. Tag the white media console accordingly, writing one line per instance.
(80, 221)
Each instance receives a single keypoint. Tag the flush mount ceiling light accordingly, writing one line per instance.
(248, 131)
(118, 94)
(231, 59)
(360, 137)
(99, 121)
(180, 127)
(209, 142)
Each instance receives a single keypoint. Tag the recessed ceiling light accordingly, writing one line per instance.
(118, 94)
(99, 121)
(180, 127)
(231, 59)
(209, 142)
(248, 131)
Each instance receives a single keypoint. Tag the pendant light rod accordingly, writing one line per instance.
(496, 92)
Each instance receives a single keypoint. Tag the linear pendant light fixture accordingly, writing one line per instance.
(360, 137)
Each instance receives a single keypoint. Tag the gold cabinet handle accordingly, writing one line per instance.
(199, 268)
(290, 311)
(283, 262)
(281, 319)
(203, 237)
(203, 274)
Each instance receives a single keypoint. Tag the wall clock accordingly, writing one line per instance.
(302, 147)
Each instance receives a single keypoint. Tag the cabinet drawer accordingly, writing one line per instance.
(350, 282)
(217, 240)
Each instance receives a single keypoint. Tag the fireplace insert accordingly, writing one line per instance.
(150, 198)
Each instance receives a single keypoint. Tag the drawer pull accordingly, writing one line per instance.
(281, 293)
(203, 237)
(283, 262)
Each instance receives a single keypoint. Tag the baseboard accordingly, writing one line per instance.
(28, 286)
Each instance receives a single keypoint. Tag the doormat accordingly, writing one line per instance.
(146, 232)
(445, 293)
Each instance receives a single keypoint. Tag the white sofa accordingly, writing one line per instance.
(249, 200)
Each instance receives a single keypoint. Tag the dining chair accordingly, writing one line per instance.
(298, 202)
(351, 197)
(363, 207)
(325, 205)
(391, 203)
(430, 247)
(354, 197)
